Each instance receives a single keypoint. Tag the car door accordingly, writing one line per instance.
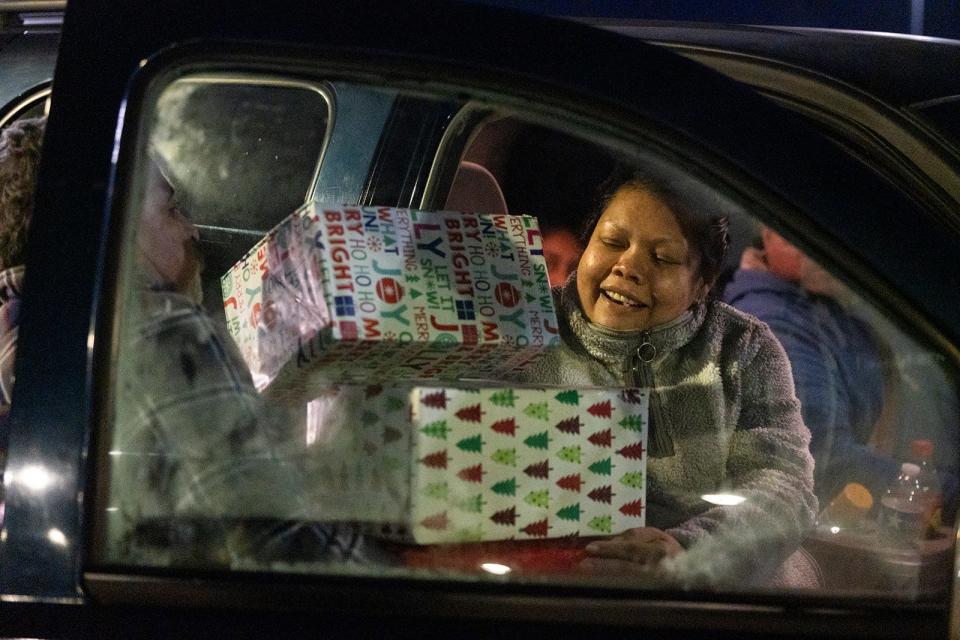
(419, 85)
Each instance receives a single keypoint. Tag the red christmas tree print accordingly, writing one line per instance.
(471, 474)
(437, 522)
(436, 400)
(634, 508)
(602, 438)
(507, 427)
(600, 409)
(571, 482)
(570, 425)
(601, 494)
(538, 470)
(470, 414)
(538, 529)
(505, 516)
(373, 391)
(633, 451)
(436, 460)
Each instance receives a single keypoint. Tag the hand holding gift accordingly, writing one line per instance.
(638, 548)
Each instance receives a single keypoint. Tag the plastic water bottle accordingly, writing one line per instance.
(931, 488)
(902, 506)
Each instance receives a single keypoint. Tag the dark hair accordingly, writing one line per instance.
(707, 234)
(19, 157)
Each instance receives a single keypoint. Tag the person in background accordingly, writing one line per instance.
(839, 363)
(198, 459)
(723, 415)
(19, 157)
(836, 360)
(561, 249)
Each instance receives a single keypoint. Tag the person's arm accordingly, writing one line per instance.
(769, 466)
(198, 443)
(827, 407)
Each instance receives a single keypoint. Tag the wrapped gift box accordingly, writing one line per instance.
(487, 463)
(339, 294)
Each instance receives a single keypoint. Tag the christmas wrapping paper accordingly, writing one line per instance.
(498, 463)
(339, 294)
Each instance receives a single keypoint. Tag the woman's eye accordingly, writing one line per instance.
(666, 259)
(612, 242)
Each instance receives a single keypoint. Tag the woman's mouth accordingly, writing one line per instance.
(620, 299)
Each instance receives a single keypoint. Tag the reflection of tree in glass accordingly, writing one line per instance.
(241, 155)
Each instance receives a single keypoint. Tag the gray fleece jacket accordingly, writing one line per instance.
(723, 419)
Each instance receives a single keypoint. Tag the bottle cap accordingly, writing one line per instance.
(909, 469)
(921, 449)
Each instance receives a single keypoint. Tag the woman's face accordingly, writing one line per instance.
(638, 270)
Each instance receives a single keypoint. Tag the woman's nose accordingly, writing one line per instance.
(629, 269)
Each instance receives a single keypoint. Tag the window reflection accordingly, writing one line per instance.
(325, 473)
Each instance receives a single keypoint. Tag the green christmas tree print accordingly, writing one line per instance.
(539, 498)
(472, 504)
(473, 444)
(503, 398)
(538, 440)
(395, 404)
(369, 418)
(602, 467)
(436, 429)
(634, 480)
(601, 524)
(505, 456)
(505, 487)
(571, 397)
(391, 434)
(570, 454)
(472, 534)
(571, 513)
(539, 410)
(436, 490)
(633, 423)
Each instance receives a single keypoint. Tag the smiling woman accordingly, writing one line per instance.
(723, 410)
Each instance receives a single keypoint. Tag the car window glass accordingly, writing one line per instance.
(384, 383)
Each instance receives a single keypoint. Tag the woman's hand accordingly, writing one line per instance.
(635, 549)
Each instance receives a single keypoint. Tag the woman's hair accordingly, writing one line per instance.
(707, 234)
(19, 157)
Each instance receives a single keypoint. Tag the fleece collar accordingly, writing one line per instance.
(613, 348)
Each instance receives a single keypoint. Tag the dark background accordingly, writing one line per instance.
(940, 18)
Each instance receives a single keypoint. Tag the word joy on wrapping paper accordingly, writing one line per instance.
(377, 293)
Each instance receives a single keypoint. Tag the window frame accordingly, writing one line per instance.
(535, 81)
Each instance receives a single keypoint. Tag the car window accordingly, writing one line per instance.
(381, 384)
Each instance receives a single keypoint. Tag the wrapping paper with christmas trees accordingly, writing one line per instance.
(340, 294)
(496, 464)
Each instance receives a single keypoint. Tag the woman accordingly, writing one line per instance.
(723, 415)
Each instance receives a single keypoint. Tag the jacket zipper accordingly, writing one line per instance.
(659, 442)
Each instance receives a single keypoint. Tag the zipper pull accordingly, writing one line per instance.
(646, 352)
